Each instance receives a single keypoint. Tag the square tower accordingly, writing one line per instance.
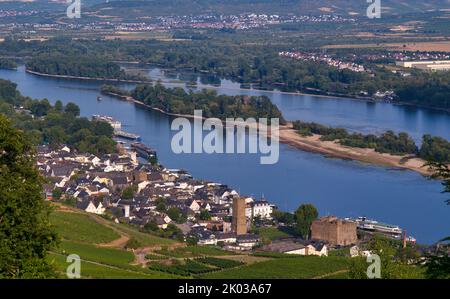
(239, 221)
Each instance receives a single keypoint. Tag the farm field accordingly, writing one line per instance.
(300, 267)
(439, 46)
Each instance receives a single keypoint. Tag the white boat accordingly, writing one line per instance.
(373, 225)
(117, 125)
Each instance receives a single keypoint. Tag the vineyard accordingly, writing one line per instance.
(219, 263)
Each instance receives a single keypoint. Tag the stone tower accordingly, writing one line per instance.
(239, 221)
(334, 231)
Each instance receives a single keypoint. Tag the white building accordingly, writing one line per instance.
(263, 209)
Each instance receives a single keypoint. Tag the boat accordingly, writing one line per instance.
(127, 135)
(364, 223)
(99, 98)
(117, 125)
(142, 150)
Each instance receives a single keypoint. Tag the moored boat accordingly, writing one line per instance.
(364, 223)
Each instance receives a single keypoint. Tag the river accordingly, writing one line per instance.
(334, 186)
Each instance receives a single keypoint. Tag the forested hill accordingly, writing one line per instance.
(183, 7)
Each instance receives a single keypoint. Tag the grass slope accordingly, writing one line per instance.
(273, 233)
(81, 228)
(81, 234)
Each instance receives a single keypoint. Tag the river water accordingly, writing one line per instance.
(334, 186)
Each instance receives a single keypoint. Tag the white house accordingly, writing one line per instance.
(194, 206)
(89, 206)
(262, 208)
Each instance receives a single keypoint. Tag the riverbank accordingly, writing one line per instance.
(88, 78)
(333, 149)
(287, 135)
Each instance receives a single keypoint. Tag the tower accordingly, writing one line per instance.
(239, 221)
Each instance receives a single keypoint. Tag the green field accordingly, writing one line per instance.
(81, 228)
(81, 233)
(272, 233)
(193, 251)
(94, 270)
(108, 256)
(300, 267)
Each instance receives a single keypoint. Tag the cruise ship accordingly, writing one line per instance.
(127, 135)
(371, 225)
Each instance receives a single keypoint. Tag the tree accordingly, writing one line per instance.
(204, 215)
(153, 160)
(151, 226)
(59, 106)
(161, 205)
(304, 217)
(283, 217)
(56, 193)
(128, 192)
(132, 244)
(175, 214)
(191, 240)
(438, 265)
(391, 266)
(25, 232)
(441, 171)
(72, 109)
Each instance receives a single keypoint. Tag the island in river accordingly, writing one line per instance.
(288, 135)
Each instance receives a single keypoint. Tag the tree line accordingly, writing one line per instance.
(433, 148)
(7, 64)
(77, 65)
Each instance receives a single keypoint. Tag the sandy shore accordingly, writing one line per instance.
(313, 143)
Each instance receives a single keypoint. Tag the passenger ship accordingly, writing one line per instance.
(371, 225)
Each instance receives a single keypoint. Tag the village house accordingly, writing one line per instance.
(91, 207)
(299, 247)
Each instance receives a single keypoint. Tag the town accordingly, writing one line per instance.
(131, 187)
(211, 21)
